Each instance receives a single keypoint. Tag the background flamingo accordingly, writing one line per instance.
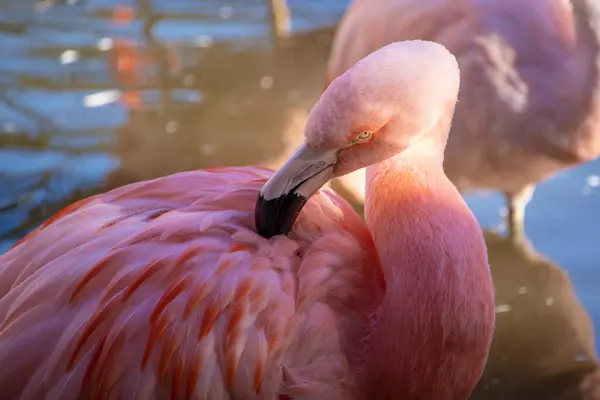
(280, 18)
(528, 104)
(163, 288)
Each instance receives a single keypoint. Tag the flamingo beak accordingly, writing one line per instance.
(281, 199)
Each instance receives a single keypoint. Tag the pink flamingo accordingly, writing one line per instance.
(529, 101)
(164, 289)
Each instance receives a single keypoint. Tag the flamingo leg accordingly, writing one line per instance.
(517, 202)
(280, 18)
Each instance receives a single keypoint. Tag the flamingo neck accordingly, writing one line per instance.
(430, 336)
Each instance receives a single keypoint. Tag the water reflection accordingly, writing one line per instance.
(262, 109)
(131, 91)
(544, 345)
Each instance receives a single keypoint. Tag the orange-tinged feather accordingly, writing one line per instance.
(187, 255)
(243, 289)
(258, 376)
(170, 295)
(122, 218)
(231, 340)
(194, 371)
(235, 319)
(210, 315)
(231, 368)
(156, 331)
(167, 352)
(25, 238)
(177, 383)
(271, 340)
(93, 362)
(225, 265)
(66, 211)
(197, 295)
(143, 275)
(238, 247)
(93, 272)
(110, 356)
(257, 295)
(117, 285)
(157, 213)
(90, 327)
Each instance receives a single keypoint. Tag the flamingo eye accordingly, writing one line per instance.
(366, 135)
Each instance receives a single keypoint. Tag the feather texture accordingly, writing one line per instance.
(163, 290)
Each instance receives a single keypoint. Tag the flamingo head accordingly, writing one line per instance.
(374, 111)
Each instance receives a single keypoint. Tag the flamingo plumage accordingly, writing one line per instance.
(212, 284)
(530, 77)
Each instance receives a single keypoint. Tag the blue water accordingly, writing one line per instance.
(562, 222)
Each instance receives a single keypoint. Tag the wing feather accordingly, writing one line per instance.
(162, 289)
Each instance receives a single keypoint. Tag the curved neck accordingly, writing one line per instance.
(431, 333)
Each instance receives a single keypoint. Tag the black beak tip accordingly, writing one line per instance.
(277, 216)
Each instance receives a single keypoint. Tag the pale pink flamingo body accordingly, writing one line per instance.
(164, 289)
(529, 102)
